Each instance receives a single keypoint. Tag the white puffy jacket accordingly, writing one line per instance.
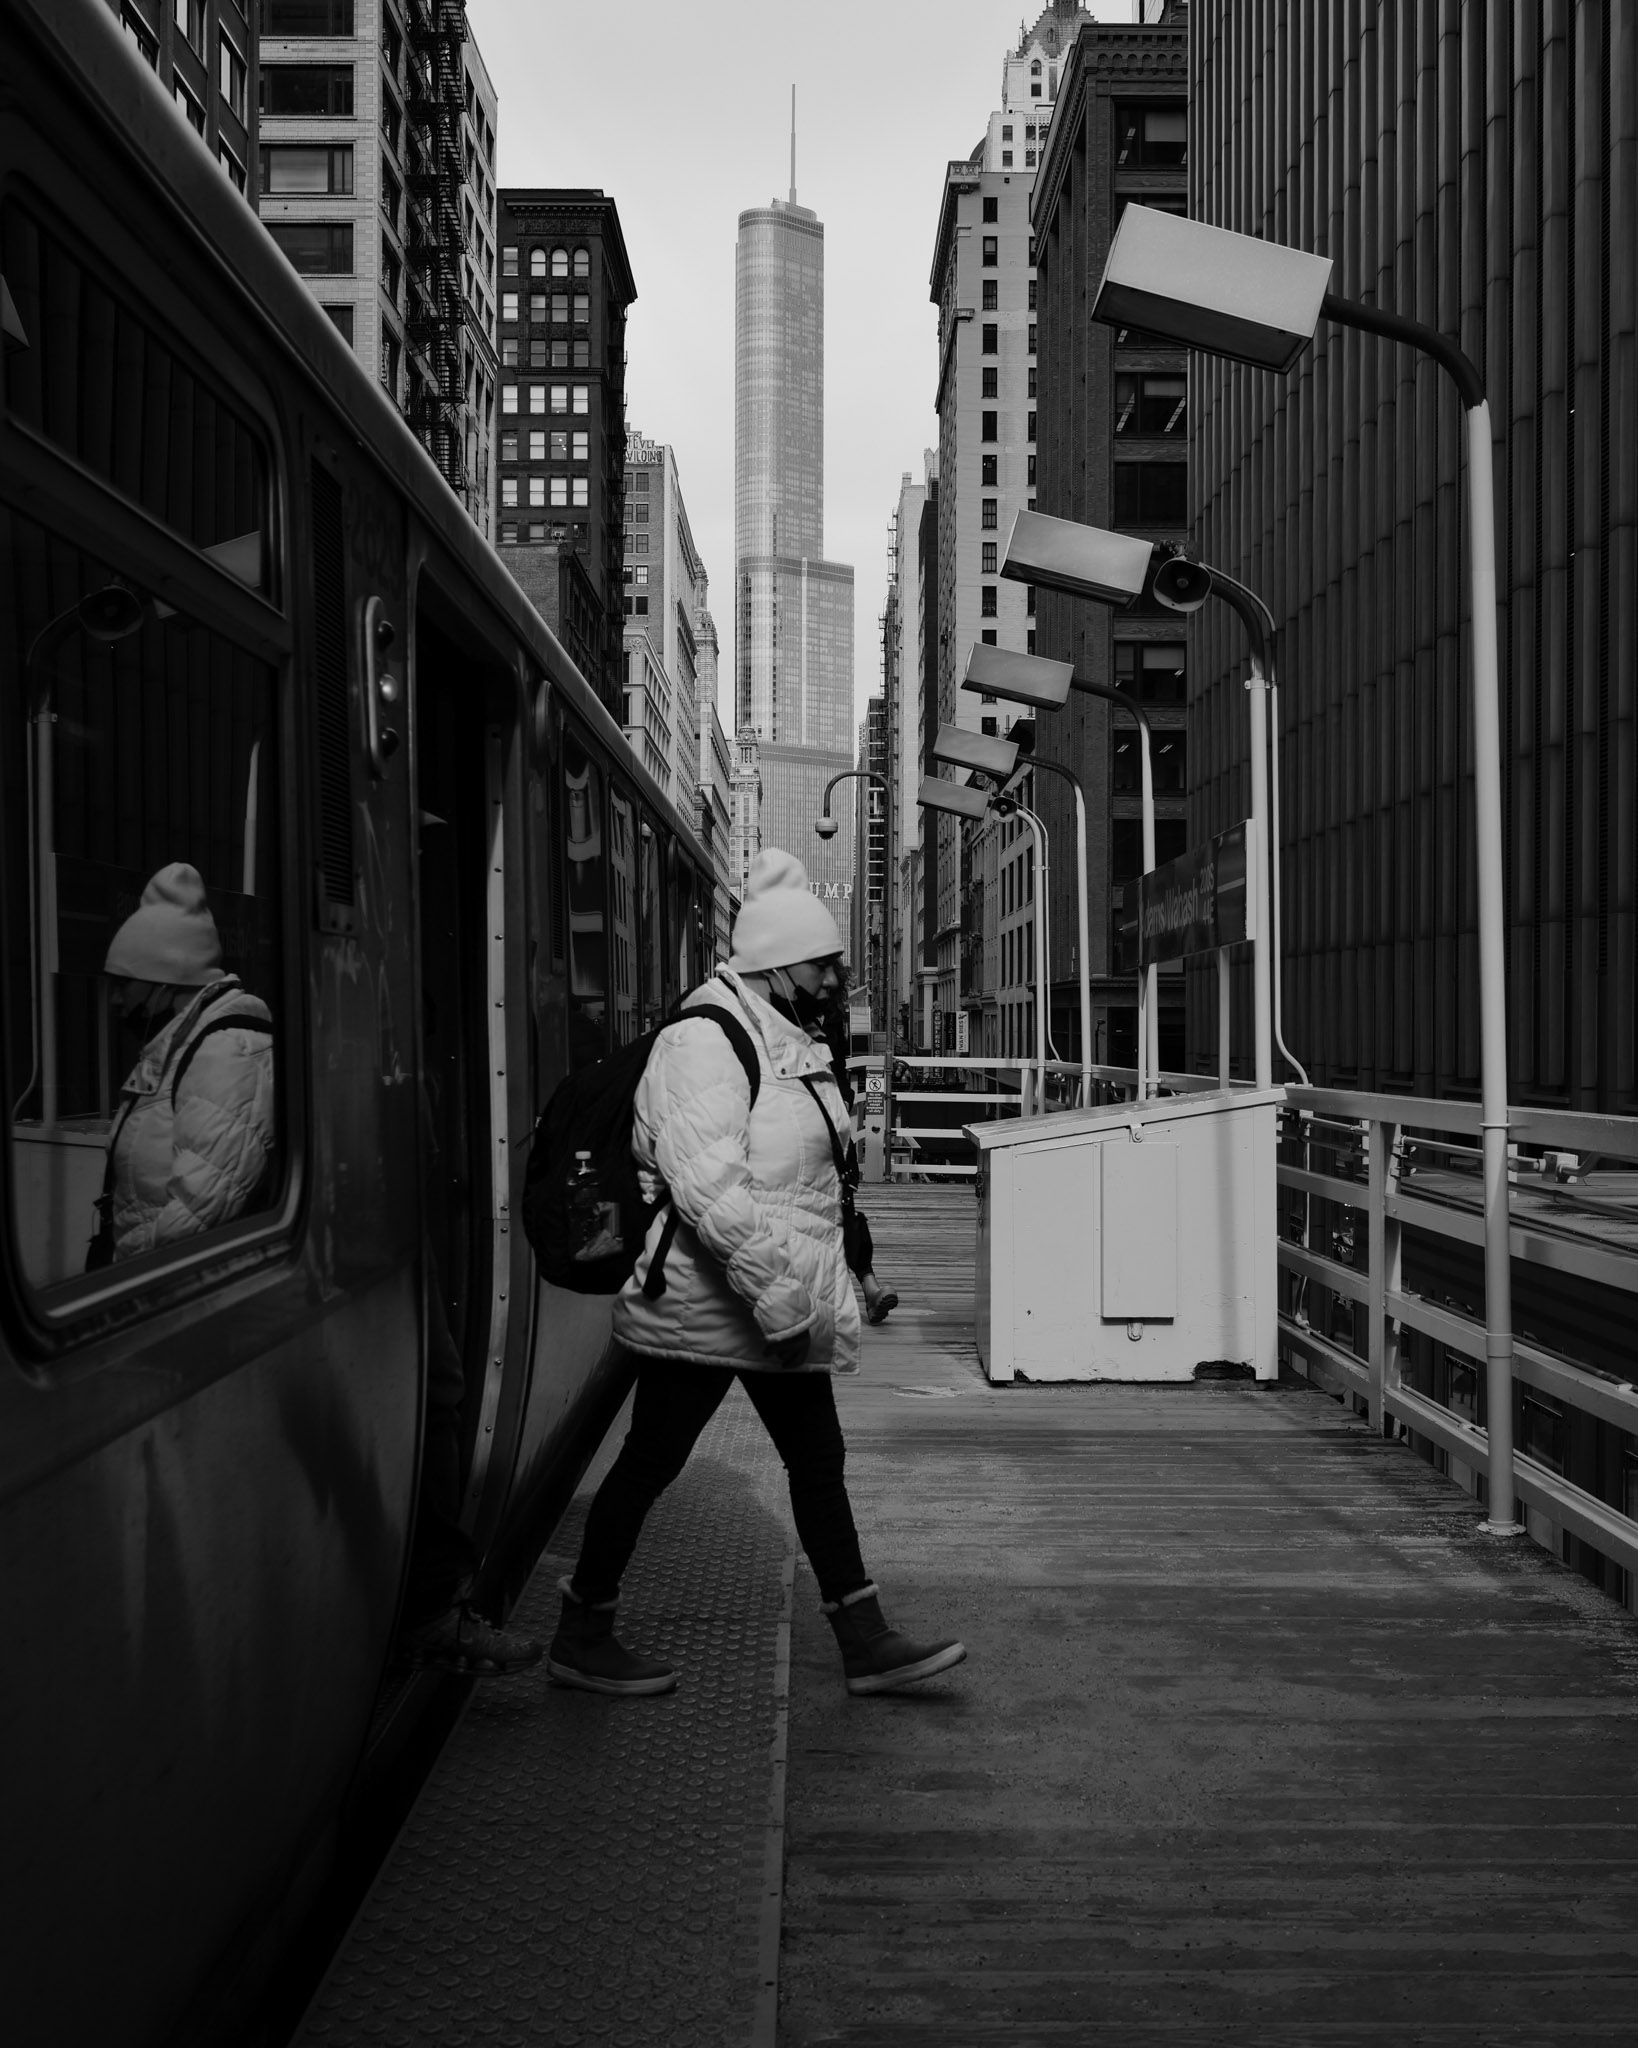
(179, 1170)
(757, 1254)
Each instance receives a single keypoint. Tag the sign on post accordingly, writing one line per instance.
(1198, 902)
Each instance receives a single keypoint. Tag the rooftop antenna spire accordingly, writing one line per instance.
(793, 145)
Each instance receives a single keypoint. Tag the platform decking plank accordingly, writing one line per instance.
(1260, 1738)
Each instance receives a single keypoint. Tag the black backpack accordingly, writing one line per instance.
(591, 1111)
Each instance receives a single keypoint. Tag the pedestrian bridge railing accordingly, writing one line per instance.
(1381, 1280)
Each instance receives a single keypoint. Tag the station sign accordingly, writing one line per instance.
(1198, 902)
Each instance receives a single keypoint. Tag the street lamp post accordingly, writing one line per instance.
(1259, 303)
(826, 827)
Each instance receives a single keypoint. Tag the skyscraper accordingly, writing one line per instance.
(793, 610)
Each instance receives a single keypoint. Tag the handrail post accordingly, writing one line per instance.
(1384, 1274)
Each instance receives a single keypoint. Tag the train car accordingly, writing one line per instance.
(245, 625)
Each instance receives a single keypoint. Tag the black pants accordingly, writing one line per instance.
(674, 1403)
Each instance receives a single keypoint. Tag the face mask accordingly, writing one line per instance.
(805, 1011)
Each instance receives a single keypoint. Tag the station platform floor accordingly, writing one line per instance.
(1260, 1740)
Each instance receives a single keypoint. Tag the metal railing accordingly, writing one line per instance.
(1382, 1220)
(919, 1149)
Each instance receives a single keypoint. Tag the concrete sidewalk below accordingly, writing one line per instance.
(1260, 1740)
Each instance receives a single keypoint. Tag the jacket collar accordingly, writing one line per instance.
(790, 1050)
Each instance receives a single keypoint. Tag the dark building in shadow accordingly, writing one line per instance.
(565, 285)
(1477, 169)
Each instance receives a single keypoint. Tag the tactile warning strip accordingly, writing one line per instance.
(580, 1869)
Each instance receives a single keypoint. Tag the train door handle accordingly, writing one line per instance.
(380, 685)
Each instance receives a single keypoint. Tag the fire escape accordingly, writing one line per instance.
(437, 305)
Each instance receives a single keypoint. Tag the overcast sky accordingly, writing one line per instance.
(681, 113)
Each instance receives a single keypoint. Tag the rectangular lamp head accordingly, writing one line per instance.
(958, 748)
(1231, 295)
(1084, 561)
(1018, 678)
(954, 797)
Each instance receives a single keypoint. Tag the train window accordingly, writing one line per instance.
(588, 929)
(653, 928)
(623, 916)
(99, 382)
(139, 907)
(683, 934)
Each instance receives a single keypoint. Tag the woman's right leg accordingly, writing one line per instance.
(674, 1403)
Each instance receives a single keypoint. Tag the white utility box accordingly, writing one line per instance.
(1130, 1242)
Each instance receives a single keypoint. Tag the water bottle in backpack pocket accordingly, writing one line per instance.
(594, 1225)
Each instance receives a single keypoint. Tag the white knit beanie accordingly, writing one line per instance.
(781, 921)
(171, 936)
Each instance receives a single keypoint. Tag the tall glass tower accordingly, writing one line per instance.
(793, 610)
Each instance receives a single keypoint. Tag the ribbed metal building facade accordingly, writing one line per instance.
(1474, 166)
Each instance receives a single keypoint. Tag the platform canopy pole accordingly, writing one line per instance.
(1259, 303)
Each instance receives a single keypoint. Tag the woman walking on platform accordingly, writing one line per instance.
(755, 1288)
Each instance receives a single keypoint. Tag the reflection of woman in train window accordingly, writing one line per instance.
(192, 1144)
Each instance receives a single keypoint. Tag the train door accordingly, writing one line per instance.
(459, 766)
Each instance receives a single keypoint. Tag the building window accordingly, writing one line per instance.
(537, 353)
(990, 288)
(987, 566)
(992, 208)
(1152, 671)
(986, 604)
(1006, 159)
(987, 511)
(1029, 159)
(989, 426)
(230, 71)
(560, 398)
(1030, 427)
(509, 533)
(560, 491)
(582, 262)
(1151, 493)
(305, 89)
(990, 386)
(537, 397)
(509, 491)
(190, 23)
(537, 309)
(509, 305)
(560, 309)
(317, 248)
(560, 263)
(509, 448)
(582, 398)
(342, 319)
(582, 355)
(307, 18)
(1032, 338)
(231, 164)
(988, 636)
(992, 250)
(192, 110)
(579, 492)
(1030, 480)
(509, 265)
(560, 446)
(140, 33)
(582, 446)
(988, 477)
(509, 353)
(1006, 131)
(991, 337)
(509, 398)
(537, 494)
(1032, 284)
(1155, 138)
(537, 444)
(582, 309)
(1152, 406)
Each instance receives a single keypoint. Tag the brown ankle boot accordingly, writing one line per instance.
(875, 1658)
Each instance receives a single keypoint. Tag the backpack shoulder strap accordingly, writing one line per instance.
(235, 1020)
(737, 1035)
